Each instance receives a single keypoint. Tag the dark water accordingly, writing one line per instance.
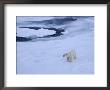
(56, 21)
(22, 39)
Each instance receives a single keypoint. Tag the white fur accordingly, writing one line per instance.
(70, 56)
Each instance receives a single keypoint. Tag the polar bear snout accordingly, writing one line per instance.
(64, 55)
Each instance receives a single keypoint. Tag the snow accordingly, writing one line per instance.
(46, 57)
(31, 18)
(25, 32)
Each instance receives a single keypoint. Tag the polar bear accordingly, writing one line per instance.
(70, 56)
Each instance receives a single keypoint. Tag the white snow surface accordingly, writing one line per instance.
(25, 32)
(32, 18)
(46, 57)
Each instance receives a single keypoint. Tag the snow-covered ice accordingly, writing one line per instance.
(25, 32)
(46, 57)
